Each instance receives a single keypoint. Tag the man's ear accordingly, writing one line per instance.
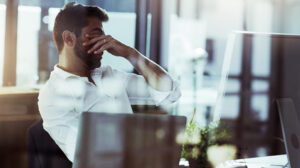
(69, 38)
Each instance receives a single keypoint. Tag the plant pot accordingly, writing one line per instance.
(194, 163)
(197, 163)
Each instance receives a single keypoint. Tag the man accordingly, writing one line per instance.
(79, 83)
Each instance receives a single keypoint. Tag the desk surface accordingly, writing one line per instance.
(17, 91)
(276, 161)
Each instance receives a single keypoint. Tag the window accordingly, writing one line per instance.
(27, 45)
(36, 51)
(122, 27)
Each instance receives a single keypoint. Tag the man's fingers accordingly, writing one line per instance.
(94, 40)
(104, 47)
(92, 35)
(97, 45)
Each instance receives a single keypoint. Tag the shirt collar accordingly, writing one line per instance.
(66, 74)
(63, 73)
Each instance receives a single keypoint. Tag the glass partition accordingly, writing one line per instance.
(2, 37)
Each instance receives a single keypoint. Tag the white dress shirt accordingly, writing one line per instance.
(65, 96)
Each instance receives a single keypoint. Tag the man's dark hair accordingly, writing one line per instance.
(74, 17)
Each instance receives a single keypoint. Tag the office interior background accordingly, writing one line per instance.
(173, 33)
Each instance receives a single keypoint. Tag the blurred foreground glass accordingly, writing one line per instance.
(187, 63)
(199, 26)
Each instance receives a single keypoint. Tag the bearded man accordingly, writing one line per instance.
(79, 83)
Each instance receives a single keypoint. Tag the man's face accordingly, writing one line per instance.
(94, 28)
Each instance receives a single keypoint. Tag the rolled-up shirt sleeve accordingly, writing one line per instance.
(140, 92)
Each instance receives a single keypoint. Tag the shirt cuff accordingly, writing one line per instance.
(162, 98)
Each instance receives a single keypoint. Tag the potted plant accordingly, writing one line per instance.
(203, 146)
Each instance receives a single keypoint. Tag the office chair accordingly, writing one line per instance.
(43, 151)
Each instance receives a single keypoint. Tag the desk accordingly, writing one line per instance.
(277, 161)
(18, 102)
(18, 110)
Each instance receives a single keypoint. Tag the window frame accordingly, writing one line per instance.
(142, 9)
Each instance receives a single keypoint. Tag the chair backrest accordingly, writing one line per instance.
(43, 152)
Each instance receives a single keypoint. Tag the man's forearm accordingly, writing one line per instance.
(155, 75)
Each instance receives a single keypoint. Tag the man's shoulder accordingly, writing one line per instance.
(55, 102)
(50, 84)
(52, 88)
(47, 91)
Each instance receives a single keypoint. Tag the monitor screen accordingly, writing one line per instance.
(257, 69)
(261, 68)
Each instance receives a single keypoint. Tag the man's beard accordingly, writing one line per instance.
(91, 60)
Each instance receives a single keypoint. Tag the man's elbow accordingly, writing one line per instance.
(175, 95)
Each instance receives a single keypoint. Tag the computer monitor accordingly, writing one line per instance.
(262, 68)
(128, 141)
(257, 69)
